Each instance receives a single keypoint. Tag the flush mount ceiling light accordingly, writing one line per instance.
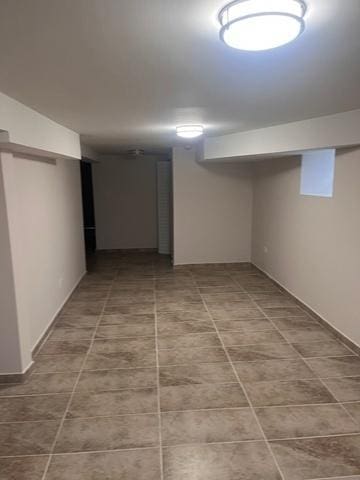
(256, 25)
(189, 131)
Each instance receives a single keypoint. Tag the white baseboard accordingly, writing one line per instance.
(18, 373)
(46, 330)
(184, 264)
(331, 326)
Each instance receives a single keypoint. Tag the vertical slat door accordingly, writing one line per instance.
(164, 205)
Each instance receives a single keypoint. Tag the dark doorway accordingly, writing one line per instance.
(88, 206)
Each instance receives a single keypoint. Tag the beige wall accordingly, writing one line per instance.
(125, 202)
(313, 243)
(10, 351)
(212, 210)
(46, 234)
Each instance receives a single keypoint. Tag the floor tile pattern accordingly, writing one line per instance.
(202, 372)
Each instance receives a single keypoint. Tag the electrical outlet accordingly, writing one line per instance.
(266, 250)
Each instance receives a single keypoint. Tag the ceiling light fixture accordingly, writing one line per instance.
(189, 131)
(257, 25)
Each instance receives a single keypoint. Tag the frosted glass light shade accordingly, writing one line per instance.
(189, 131)
(256, 25)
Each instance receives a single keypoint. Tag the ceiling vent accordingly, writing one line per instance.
(136, 152)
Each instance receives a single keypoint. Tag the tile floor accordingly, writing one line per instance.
(199, 373)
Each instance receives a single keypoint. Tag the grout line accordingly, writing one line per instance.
(349, 477)
(351, 402)
(140, 414)
(154, 366)
(212, 332)
(158, 384)
(315, 377)
(159, 413)
(347, 412)
(247, 397)
(308, 437)
(113, 390)
(318, 377)
(265, 407)
(119, 450)
(351, 434)
(73, 390)
(94, 392)
(297, 405)
(172, 386)
(305, 360)
(338, 336)
(212, 409)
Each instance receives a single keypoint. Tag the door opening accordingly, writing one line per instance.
(88, 206)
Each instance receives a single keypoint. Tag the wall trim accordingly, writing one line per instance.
(245, 264)
(310, 311)
(46, 333)
(127, 250)
(17, 377)
(22, 376)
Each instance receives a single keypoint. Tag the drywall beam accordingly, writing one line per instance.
(332, 131)
(89, 154)
(25, 129)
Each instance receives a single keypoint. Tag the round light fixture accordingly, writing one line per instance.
(257, 25)
(189, 131)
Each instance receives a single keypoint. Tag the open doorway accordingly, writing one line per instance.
(88, 206)
(133, 196)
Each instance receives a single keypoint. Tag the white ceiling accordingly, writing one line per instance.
(123, 73)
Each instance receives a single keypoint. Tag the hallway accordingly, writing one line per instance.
(203, 372)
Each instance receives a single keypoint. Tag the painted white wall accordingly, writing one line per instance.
(46, 235)
(339, 130)
(31, 129)
(125, 202)
(212, 210)
(10, 351)
(313, 243)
